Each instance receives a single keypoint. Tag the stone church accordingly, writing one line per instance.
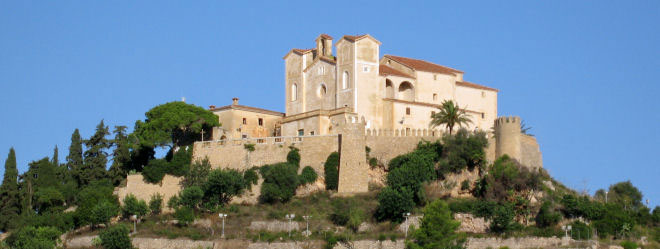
(356, 83)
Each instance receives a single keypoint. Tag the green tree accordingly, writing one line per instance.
(55, 160)
(223, 184)
(450, 115)
(331, 171)
(103, 212)
(308, 175)
(116, 237)
(191, 197)
(34, 238)
(74, 160)
(174, 124)
(121, 155)
(546, 216)
(437, 228)
(197, 174)
(502, 218)
(88, 197)
(155, 170)
(48, 198)
(392, 204)
(184, 215)
(280, 182)
(133, 206)
(625, 194)
(95, 157)
(156, 203)
(293, 157)
(10, 203)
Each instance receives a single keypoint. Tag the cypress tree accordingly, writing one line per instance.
(121, 156)
(56, 157)
(9, 195)
(96, 158)
(74, 160)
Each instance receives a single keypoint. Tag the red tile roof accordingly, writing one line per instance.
(387, 70)
(302, 51)
(326, 36)
(425, 66)
(354, 37)
(473, 85)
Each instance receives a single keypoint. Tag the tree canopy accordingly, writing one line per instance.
(174, 124)
(450, 114)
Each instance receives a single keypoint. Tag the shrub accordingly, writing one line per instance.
(546, 217)
(155, 170)
(223, 184)
(133, 206)
(373, 162)
(465, 185)
(308, 175)
(581, 231)
(293, 157)
(392, 204)
(249, 147)
(116, 237)
(629, 245)
(331, 171)
(191, 197)
(502, 218)
(61, 221)
(464, 149)
(96, 192)
(437, 228)
(184, 215)
(198, 173)
(173, 202)
(103, 212)
(280, 182)
(34, 238)
(156, 203)
(505, 178)
(179, 163)
(250, 177)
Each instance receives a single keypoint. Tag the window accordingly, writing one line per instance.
(321, 70)
(322, 90)
(311, 133)
(407, 110)
(345, 79)
(294, 92)
(389, 62)
(483, 94)
(365, 69)
(261, 122)
(244, 136)
(301, 132)
(435, 77)
(483, 115)
(435, 97)
(244, 120)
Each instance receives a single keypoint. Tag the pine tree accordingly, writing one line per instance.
(121, 156)
(74, 160)
(56, 157)
(9, 195)
(96, 158)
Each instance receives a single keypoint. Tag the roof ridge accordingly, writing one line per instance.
(399, 58)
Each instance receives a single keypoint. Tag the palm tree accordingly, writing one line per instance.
(450, 115)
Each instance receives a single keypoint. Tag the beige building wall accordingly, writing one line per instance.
(239, 121)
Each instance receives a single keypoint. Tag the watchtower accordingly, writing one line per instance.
(507, 137)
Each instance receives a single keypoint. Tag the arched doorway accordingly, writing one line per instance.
(406, 91)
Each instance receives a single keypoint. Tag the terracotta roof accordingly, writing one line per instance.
(387, 70)
(473, 85)
(423, 65)
(302, 51)
(247, 108)
(326, 36)
(354, 37)
(332, 60)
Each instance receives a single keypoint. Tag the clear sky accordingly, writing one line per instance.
(584, 74)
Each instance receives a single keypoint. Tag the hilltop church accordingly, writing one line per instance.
(356, 83)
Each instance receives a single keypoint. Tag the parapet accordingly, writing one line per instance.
(403, 132)
(501, 121)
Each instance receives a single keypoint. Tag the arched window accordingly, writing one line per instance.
(322, 90)
(406, 91)
(389, 89)
(294, 92)
(345, 80)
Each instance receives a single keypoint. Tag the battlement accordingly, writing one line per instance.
(403, 132)
(507, 120)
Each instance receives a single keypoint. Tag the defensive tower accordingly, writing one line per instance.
(507, 137)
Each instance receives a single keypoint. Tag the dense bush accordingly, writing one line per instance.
(198, 173)
(103, 212)
(629, 245)
(280, 182)
(156, 203)
(191, 197)
(506, 178)
(116, 237)
(392, 204)
(133, 206)
(331, 171)
(308, 175)
(346, 212)
(222, 185)
(34, 238)
(581, 231)
(250, 177)
(464, 150)
(179, 163)
(437, 228)
(96, 192)
(293, 157)
(184, 215)
(155, 170)
(61, 221)
(546, 216)
(613, 220)
(502, 218)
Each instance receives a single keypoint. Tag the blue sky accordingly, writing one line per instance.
(584, 74)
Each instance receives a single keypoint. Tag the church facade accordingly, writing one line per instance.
(388, 92)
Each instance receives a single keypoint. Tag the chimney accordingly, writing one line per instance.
(211, 107)
(234, 101)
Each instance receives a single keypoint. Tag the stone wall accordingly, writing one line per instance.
(142, 190)
(232, 154)
(531, 153)
(513, 243)
(353, 167)
(471, 224)
(388, 144)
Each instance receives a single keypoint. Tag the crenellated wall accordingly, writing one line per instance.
(511, 141)
(386, 144)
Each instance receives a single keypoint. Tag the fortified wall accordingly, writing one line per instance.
(350, 142)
